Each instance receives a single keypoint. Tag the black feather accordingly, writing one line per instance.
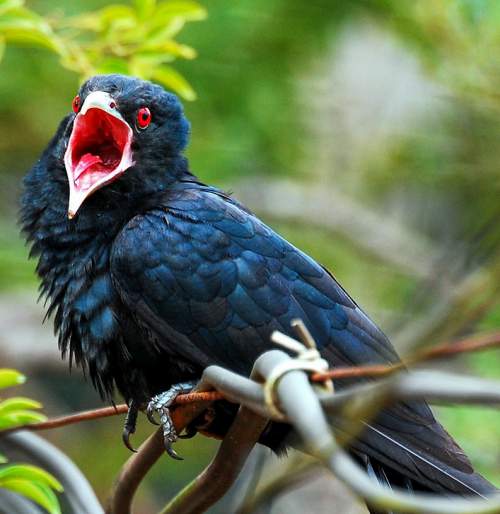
(159, 276)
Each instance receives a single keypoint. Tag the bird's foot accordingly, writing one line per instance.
(160, 404)
(130, 425)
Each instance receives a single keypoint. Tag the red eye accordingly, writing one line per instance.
(143, 117)
(76, 103)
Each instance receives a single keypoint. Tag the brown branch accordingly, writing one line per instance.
(133, 472)
(139, 464)
(206, 396)
(469, 344)
(105, 412)
(216, 479)
(376, 370)
(62, 421)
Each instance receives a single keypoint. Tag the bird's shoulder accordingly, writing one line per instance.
(198, 230)
(201, 262)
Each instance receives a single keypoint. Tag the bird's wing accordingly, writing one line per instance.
(212, 282)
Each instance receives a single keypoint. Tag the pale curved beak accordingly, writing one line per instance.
(99, 148)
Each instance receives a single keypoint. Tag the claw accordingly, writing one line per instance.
(126, 439)
(129, 427)
(150, 413)
(172, 453)
(159, 405)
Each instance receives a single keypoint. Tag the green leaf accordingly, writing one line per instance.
(23, 26)
(2, 47)
(144, 8)
(143, 65)
(113, 65)
(100, 21)
(21, 417)
(3, 459)
(151, 59)
(186, 9)
(18, 403)
(7, 5)
(172, 79)
(31, 473)
(32, 36)
(10, 377)
(40, 494)
(163, 31)
(170, 47)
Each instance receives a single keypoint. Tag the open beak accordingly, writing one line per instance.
(99, 148)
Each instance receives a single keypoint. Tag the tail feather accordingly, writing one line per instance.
(401, 462)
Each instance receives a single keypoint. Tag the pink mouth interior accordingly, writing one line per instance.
(99, 141)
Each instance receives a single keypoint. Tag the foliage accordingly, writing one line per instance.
(260, 64)
(136, 40)
(29, 481)
(459, 39)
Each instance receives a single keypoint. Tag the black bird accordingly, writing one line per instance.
(152, 275)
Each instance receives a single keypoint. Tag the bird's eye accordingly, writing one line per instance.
(143, 117)
(76, 103)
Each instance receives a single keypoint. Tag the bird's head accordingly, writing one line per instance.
(121, 126)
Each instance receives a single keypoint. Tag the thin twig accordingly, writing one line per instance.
(62, 421)
(105, 412)
(469, 344)
(133, 472)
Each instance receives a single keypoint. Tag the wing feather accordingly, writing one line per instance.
(213, 282)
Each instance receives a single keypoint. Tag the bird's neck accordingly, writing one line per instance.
(73, 255)
(57, 239)
(45, 202)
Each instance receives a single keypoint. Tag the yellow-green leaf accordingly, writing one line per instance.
(7, 5)
(153, 59)
(10, 377)
(18, 403)
(144, 8)
(171, 47)
(143, 65)
(31, 473)
(22, 417)
(113, 65)
(23, 26)
(187, 9)
(100, 20)
(32, 36)
(173, 80)
(2, 47)
(161, 32)
(42, 495)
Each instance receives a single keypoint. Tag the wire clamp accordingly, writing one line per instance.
(308, 359)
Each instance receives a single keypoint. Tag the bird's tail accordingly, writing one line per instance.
(389, 478)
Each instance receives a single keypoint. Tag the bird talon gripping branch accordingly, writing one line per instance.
(160, 404)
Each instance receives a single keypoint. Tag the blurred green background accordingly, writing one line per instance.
(365, 131)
